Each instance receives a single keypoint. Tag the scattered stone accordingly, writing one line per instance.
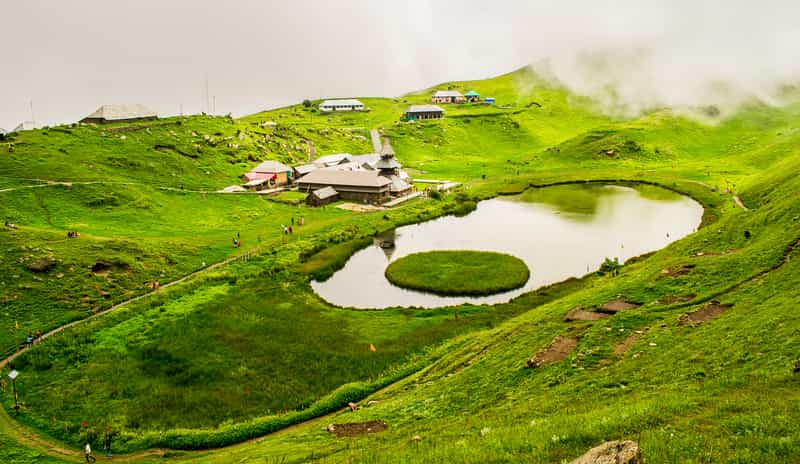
(612, 452)
(711, 310)
(558, 350)
(353, 406)
(416, 438)
(652, 344)
(580, 314)
(42, 265)
(357, 428)
(371, 402)
(485, 431)
(616, 306)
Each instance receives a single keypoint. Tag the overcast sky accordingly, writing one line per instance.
(70, 57)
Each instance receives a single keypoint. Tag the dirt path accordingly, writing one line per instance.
(558, 350)
(60, 328)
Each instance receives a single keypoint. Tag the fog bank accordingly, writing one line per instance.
(70, 57)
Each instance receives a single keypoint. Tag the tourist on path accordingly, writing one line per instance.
(88, 451)
(107, 444)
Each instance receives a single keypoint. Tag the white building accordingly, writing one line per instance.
(341, 105)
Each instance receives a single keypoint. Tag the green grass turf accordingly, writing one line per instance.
(458, 272)
(722, 391)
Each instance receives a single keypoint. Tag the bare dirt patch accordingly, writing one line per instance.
(616, 306)
(678, 271)
(104, 267)
(558, 350)
(625, 345)
(580, 314)
(357, 428)
(712, 310)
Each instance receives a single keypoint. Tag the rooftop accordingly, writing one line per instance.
(350, 178)
(325, 192)
(472, 93)
(424, 109)
(343, 102)
(447, 93)
(271, 166)
(120, 112)
(330, 160)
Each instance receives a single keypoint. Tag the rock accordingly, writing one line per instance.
(42, 265)
(612, 452)
(416, 438)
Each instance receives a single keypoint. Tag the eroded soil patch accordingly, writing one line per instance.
(678, 271)
(580, 314)
(712, 310)
(558, 350)
(357, 428)
(616, 306)
(625, 345)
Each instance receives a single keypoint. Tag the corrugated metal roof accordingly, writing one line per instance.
(398, 184)
(117, 112)
(304, 169)
(343, 102)
(330, 160)
(257, 182)
(335, 177)
(388, 163)
(472, 93)
(325, 192)
(447, 93)
(424, 109)
(369, 159)
(271, 166)
(386, 148)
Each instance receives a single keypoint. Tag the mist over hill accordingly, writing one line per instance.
(255, 55)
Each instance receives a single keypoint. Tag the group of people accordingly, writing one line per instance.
(87, 450)
(73, 234)
(30, 340)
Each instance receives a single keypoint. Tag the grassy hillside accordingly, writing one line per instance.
(248, 348)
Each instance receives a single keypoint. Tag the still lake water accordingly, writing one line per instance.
(560, 232)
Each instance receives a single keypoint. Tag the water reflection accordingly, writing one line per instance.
(559, 232)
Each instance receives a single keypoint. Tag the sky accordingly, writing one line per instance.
(60, 60)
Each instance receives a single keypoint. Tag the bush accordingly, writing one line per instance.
(610, 266)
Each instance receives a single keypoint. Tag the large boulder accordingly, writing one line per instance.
(612, 452)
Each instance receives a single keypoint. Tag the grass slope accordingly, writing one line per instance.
(721, 391)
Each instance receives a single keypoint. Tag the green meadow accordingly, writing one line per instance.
(243, 362)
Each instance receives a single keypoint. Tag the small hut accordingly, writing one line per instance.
(472, 96)
(322, 196)
(417, 112)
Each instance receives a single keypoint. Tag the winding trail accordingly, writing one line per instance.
(60, 328)
(39, 442)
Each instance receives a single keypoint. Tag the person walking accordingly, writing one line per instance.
(88, 452)
(107, 443)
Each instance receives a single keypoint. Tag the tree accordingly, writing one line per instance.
(307, 103)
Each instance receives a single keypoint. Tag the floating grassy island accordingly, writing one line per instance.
(459, 272)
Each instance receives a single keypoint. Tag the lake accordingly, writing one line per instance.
(560, 232)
